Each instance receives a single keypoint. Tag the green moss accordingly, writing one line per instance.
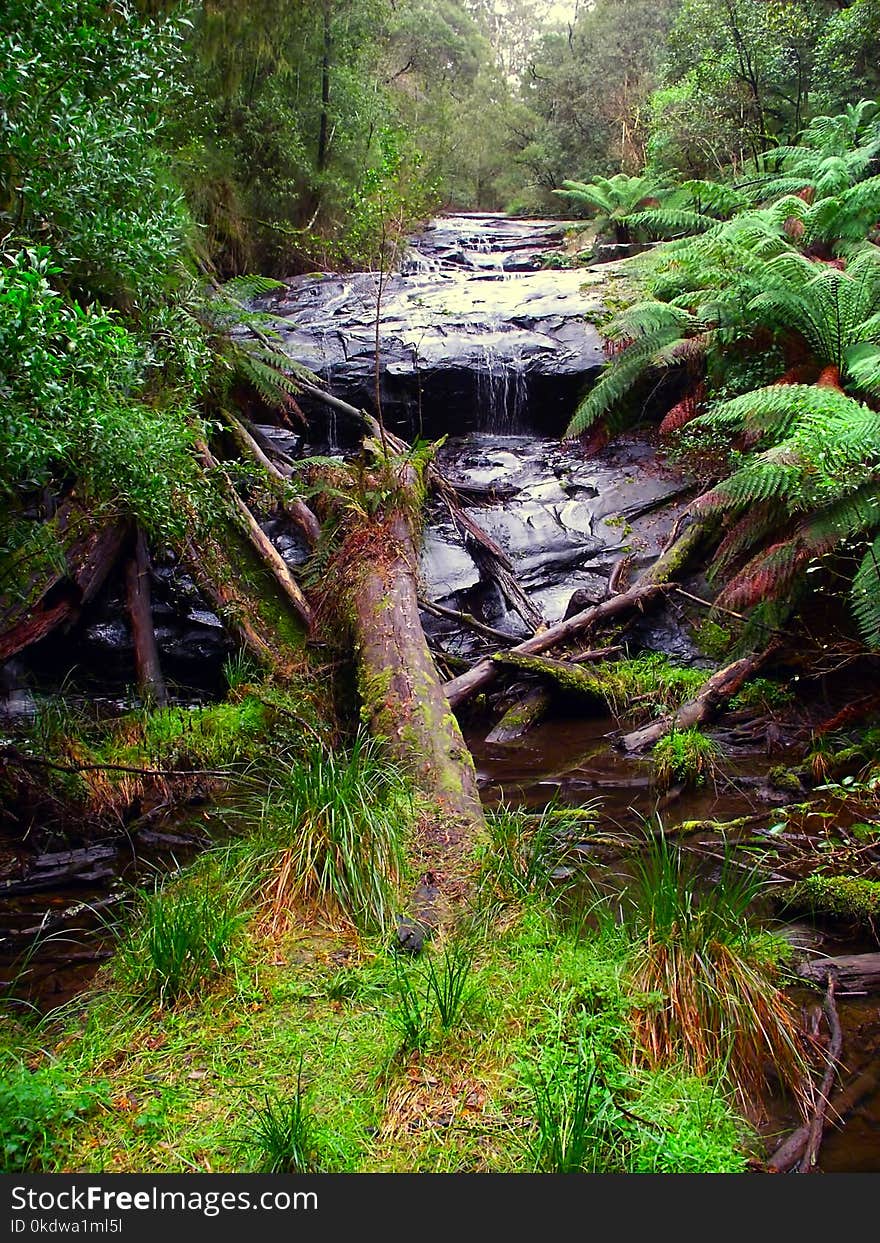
(712, 639)
(763, 693)
(685, 756)
(848, 897)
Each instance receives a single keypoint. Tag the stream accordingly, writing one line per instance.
(483, 346)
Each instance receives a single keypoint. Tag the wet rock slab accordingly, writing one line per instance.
(563, 523)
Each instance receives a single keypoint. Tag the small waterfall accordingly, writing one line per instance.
(502, 390)
(327, 355)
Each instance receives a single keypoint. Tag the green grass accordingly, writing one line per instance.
(185, 933)
(34, 1106)
(709, 978)
(684, 756)
(339, 821)
(184, 1080)
(651, 677)
(281, 1133)
(524, 848)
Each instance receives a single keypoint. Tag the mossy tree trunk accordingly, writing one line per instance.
(404, 703)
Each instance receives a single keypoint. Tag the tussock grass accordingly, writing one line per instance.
(339, 821)
(685, 756)
(525, 848)
(709, 981)
(282, 1134)
(185, 934)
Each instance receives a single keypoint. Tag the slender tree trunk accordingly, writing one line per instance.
(146, 651)
(324, 124)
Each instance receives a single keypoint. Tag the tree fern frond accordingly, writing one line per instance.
(865, 595)
(749, 528)
(669, 221)
(245, 288)
(863, 367)
(619, 377)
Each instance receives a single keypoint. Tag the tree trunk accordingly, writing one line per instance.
(55, 590)
(403, 699)
(146, 651)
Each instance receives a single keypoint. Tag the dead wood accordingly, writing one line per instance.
(467, 620)
(817, 1124)
(717, 691)
(151, 683)
(521, 717)
(54, 593)
(297, 510)
(403, 700)
(262, 545)
(852, 973)
(483, 674)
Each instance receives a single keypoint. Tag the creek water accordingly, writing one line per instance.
(482, 345)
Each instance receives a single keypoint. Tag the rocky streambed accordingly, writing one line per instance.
(484, 347)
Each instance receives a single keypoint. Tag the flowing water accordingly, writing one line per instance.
(481, 345)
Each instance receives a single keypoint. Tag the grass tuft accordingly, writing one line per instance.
(708, 979)
(684, 756)
(342, 819)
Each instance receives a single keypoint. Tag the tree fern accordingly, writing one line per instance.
(865, 595)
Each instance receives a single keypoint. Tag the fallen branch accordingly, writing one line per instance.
(483, 674)
(263, 546)
(716, 692)
(32, 761)
(298, 511)
(466, 619)
(790, 1151)
(817, 1125)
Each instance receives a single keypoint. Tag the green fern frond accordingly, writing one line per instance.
(245, 288)
(865, 595)
(619, 378)
(669, 221)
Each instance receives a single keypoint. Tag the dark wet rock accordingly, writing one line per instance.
(471, 324)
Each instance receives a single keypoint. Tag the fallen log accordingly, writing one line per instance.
(151, 683)
(403, 700)
(53, 594)
(263, 546)
(519, 719)
(851, 973)
(298, 511)
(652, 584)
(565, 674)
(717, 691)
(483, 674)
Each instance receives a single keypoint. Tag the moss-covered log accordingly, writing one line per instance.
(521, 717)
(716, 692)
(403, 702)
(649, 587)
